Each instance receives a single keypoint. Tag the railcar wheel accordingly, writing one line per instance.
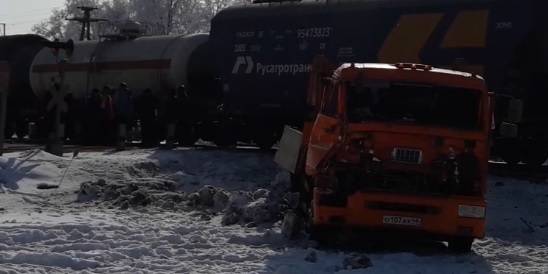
(510, 153)
(226, 140)
(535, 158)
(8, 132)
(461, 244)
(265, 137)
(535, 155)
(225, 134)
(266, 142)
(187, 137)
(21, 130)
(511, 158)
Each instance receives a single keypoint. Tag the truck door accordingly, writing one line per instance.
(325, 132)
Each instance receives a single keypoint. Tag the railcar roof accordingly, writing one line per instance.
(9, 42)
(313, 6)
(20, 38)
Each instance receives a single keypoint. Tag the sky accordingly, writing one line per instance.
(20, 15)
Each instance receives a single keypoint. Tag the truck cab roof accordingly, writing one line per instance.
(408, 72)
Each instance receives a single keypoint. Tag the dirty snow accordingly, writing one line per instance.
(56, 231)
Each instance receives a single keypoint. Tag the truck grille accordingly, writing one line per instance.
(423, 209)
(405, 155)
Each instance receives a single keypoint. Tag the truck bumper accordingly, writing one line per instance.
(425, 215)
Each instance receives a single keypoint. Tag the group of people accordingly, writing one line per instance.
(106, 116)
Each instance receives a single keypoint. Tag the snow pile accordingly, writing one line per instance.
(25, 172)
(49, 259)
(177, 202)
(138, 194)
(357, 262)
(264, 205)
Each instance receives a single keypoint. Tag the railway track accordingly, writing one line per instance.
(496, 168)
(9, 148)
(520, 171)
(18, 147)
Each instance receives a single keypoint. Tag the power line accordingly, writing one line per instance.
(30, 12)
(24, 22)
(21, 22)
(24, 19)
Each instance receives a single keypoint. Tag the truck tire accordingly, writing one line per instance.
(321, 235)
(460, 244)
(291, 224)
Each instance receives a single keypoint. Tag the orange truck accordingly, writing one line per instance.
(393, 148)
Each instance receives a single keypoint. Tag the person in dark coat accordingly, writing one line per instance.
(108, 123)
(123, 108)
(171, 110)
(186, 117)
(93, 117)
(147, 110)
(71, 118)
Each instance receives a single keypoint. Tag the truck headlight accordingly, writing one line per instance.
(469, 211)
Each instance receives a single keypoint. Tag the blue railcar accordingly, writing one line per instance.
(263, 53)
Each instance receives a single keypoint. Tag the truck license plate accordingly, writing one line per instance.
(399, 220)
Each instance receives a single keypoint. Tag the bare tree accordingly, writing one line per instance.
(158, 17)
(54, 26)
(171, 11)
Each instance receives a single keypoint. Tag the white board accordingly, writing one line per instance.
(287, 155)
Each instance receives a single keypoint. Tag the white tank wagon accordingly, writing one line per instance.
(160, 63)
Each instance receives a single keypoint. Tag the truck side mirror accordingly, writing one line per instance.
(508, 130)
(515, 111)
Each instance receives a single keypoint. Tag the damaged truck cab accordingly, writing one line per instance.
(399, 148)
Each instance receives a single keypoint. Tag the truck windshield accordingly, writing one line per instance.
(415, 104)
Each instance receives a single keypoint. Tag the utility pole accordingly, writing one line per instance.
(86, 21)
(57, 105)
(4, 85)
(3, 28)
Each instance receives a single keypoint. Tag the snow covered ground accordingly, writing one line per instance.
(50, 231)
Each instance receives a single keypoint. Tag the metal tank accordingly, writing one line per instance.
(19, 51)
(156, 62)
